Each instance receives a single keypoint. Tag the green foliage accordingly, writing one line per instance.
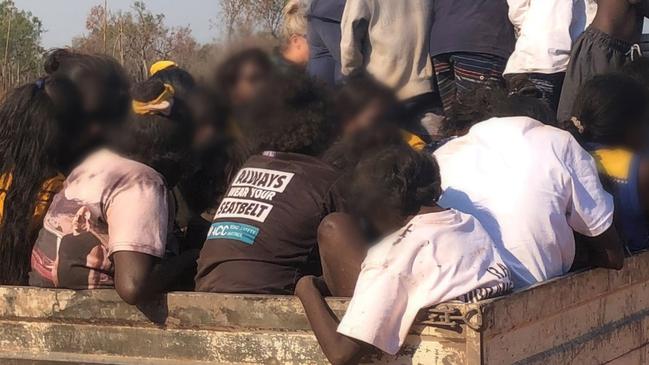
(21, 56)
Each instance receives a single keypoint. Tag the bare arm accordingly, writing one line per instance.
(605, 250)
(342, 251)
(338, 348)
(139, 276)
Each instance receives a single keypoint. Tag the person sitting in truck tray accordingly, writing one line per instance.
(263, 235)
(531, 186)
(428, 255)
(610, 118)
(110, 226)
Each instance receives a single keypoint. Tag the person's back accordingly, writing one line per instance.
(374, 36)
(104, 192)
(530, 185)
(263, 235)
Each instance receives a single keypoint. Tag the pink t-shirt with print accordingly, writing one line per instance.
(108, 204)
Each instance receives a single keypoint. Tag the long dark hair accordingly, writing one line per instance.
(35, 118)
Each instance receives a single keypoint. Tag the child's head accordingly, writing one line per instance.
(104, 89)
(210, 116)
(611, 110)
(40, 121)
(363, 102)
(159, 131)
(182, 81)
(292, 113)
(243, 75)
(394, 183)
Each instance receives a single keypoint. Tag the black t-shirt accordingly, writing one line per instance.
(480, 26)
(264, 235)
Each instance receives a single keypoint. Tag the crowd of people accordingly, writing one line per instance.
(409, 151)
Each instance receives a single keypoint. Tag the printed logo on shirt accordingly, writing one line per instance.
(505, 284)
(250, 190)
(243, 208)
(272, 180)
(233, 231)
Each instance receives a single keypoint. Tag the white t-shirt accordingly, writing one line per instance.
(546, 31)
(436, 257)
(530, 185)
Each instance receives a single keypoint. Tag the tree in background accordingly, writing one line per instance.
(245, 18)
(20, 39)
(136, 38)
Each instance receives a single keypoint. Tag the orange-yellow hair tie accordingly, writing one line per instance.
(161, 65)
(160, 105)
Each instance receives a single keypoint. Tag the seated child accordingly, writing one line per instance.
(263, 236)
(530, 185)
(108, 227)
(607, 45)
(610, 119)
(428, 255)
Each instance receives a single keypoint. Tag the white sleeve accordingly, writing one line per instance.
(590, 209)
(376, 312)
(353, 29)
(517, 12)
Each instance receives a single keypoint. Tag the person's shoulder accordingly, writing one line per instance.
(115, 170)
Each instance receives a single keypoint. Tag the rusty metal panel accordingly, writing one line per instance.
(38, 325)
(587, 318)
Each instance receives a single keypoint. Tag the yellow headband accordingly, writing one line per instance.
(161, 65)
(160, 105)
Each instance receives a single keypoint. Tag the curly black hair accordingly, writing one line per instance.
(396, 178)
(162, 142)
(182, 81)
(293, 113)
(37, 120)
(481, 103)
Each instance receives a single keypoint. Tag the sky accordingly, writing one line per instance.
(65, 19)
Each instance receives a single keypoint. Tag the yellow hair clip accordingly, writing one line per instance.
(160, 105)
(161, 65)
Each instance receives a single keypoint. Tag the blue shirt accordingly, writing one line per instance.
(327, 9)
(479, 26)
(620, 169)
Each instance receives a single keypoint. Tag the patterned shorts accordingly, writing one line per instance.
(458, 73)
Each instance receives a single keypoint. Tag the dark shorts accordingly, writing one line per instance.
(593, 53)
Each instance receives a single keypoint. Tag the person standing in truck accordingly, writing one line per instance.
(390, 41)
(470, 41)
(323, 35)
(546, 30)
(609, 43)
(428, 255)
